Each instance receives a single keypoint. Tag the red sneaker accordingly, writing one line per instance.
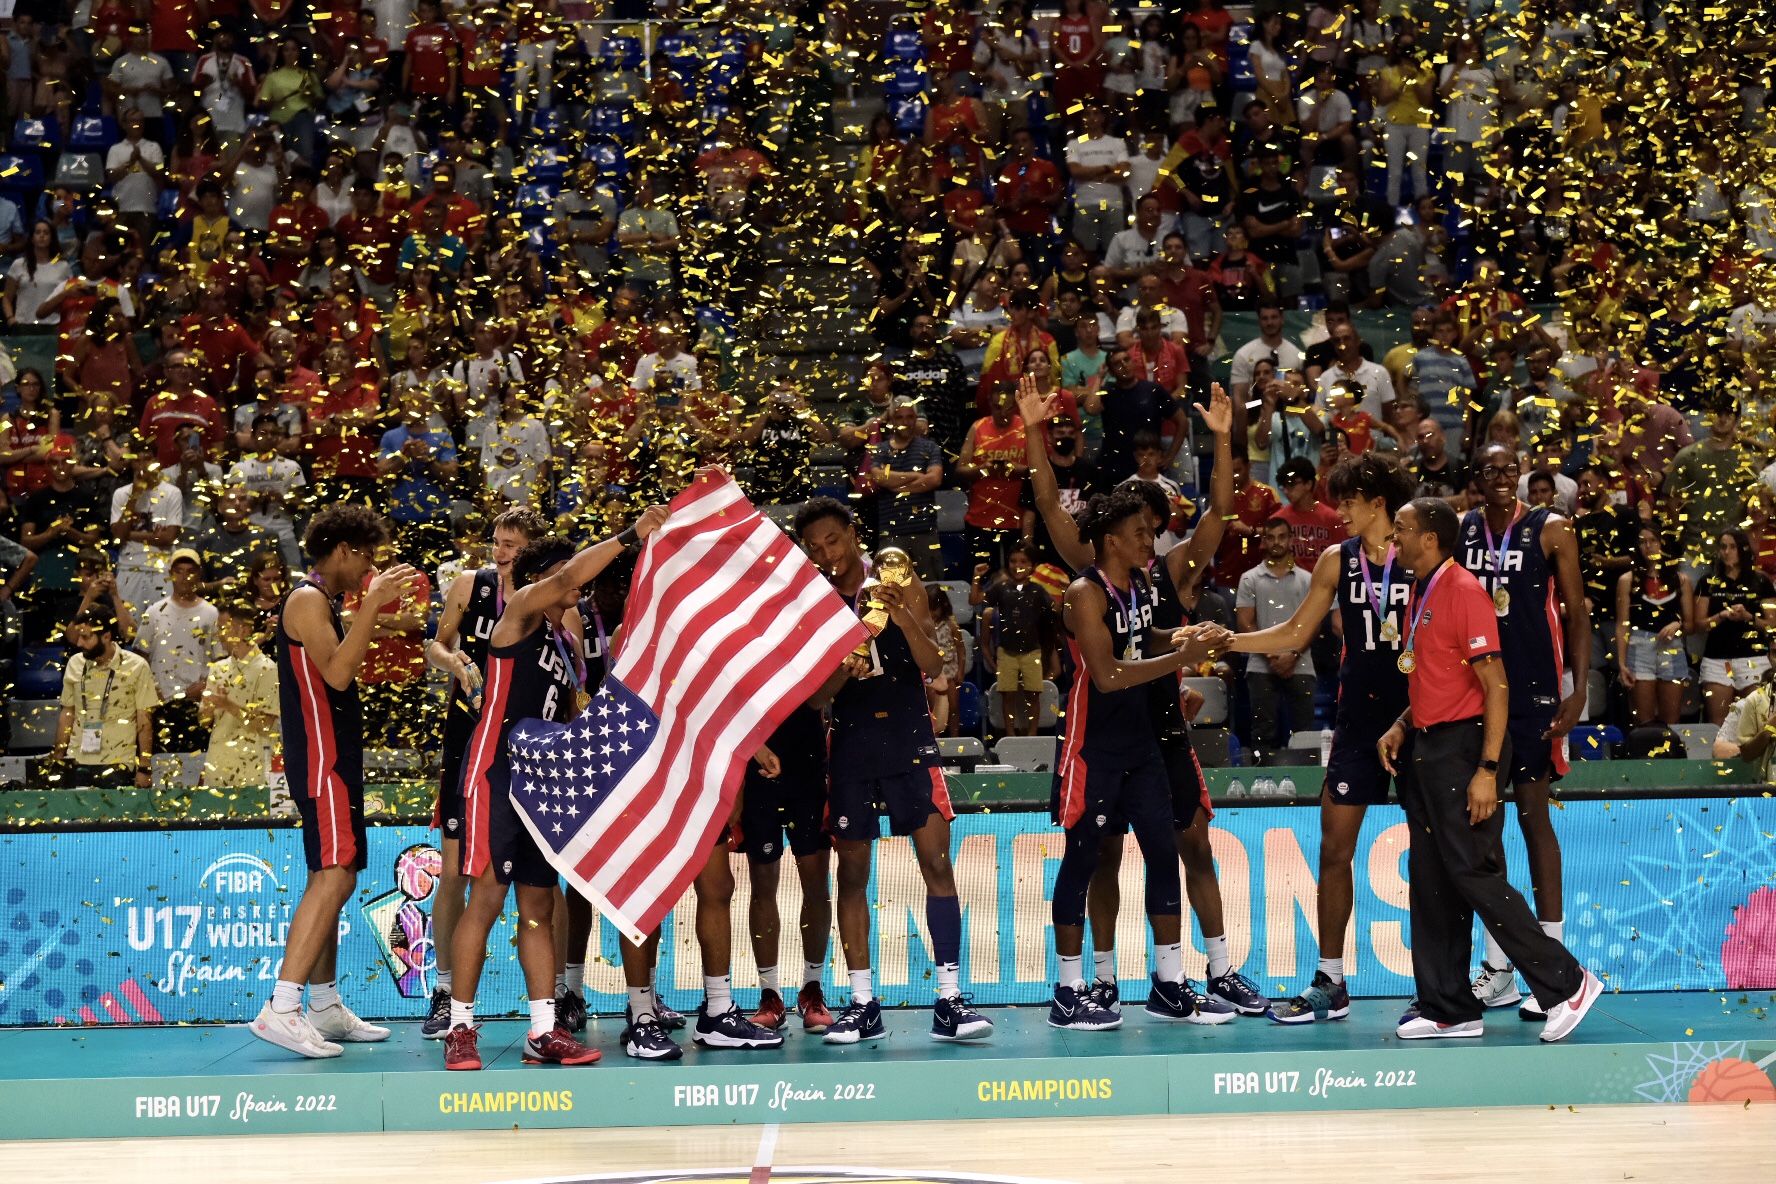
(811, 1006)
(558, 1047)
(459, 1048)
(771, 1012)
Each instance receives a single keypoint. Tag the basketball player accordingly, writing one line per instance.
(885, 761)
(323, 723)
(471, 607)
(1229, 991)
(1528, 560)
(1363, 580)
(1111, 771)
(793, 804)
(534, 672)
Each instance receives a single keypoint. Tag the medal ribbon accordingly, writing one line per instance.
(1416, 609)
(1499, 552)
(1379, 601)
(1128, 611)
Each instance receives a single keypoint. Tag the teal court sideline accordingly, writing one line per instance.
(192, 1080)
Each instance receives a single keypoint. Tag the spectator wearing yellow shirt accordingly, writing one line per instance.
(239, 705)
(1406, 91)
(108, 702)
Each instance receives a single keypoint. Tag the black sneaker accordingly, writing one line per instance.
(570, 1010)
(1239, 992)
(1181, 1001)
(1106, 995)
(648, 1041)
(859, 1021)
(953, 1019)
(1079, 1011)
(671, 1020)
(1323, 1000)
(731, 1029)
(437, 1021)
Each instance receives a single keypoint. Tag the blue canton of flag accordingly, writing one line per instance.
(561, 773)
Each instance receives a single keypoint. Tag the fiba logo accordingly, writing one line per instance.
(239, 872)
(402, 927)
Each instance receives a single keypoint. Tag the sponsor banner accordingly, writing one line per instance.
(189, 926)
(288, 1103)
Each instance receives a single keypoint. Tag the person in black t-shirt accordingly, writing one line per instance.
(1608, 535)
(1270, 212)
(1131, 405)
(1731, 607)
(57, 522)
(1437, 472)
(1019, 639)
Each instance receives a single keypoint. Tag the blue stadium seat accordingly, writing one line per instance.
(37, 674)
(968, 714)
(908, 115)
(682, 48)
(535, 201)
(729, 47)
(904, 44)
(620, 53)
(1240, 35)
(93, 133)
(78, 170)
(1590, 742)
(715, 111)
(36, 135)
(551, 123)
(907, 81)
(544, 163)
(615, 120)
(609, 159)
(719, 82)
(21, 177)
(1239, 70)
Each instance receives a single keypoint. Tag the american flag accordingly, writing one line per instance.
(729, 627)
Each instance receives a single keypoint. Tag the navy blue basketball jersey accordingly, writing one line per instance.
(1169, 613)
(595, 645)
(1116, 721)
(1370, 685)
(532, 679)
(1531, 639)
(323, 728)
(478, 619)
(881, 725)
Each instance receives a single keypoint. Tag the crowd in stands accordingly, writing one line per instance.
(447, 260)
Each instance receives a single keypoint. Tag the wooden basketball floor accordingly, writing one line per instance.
(1718, 1144)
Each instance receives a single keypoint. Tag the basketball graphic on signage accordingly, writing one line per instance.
(1732, 1080)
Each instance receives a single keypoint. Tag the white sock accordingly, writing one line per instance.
(641, 1003)
(1332, 968)
(1168, 961)
(813, 972)
(323, 995)
(1220, 961)
(542, 1017)
(862, 986)
(444, 981)
(1104, 965)
(949, 981)
(1495, 954)
(1555, 929)
(1073, 971)
(286, 996)
(576, 977)
(462, 1013)
(560, 981)
(768, 979)
(718, 994)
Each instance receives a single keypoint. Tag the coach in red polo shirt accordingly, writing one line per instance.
(1448, 748)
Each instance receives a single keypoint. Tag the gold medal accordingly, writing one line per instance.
(1501, 600)
(1390, 631)
(1408, 662)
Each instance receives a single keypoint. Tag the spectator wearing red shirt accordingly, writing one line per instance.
(296, 384)
(392, 679)
(1191, 290)
(219, 341)
(1028, 193)
(1316, 525)
(429, 65)
(947, 30)
(294, 224)
(618, 343)
(372, 238)
(1254, 504)
(179, 408)
(342, 416)
(1445, 752)
(462, 217)
(346, 319)
(1155, 357)
(172, 32)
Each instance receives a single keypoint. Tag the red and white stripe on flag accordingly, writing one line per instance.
(728, 628)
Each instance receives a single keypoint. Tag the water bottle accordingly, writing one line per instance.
(1286, 787)
(1236, 788)
(1325, 747)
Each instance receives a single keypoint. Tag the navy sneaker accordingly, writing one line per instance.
(1181, 1001)
(648, 1041)
(1107, 995)
(859, 1021)
(1411, 1012)
(437, 1021)
(1079, 1011)
(1323, 1000)
(570, 1010)
(1239, 992)
(671, 1020)
(953, 1019)
(731, 1029)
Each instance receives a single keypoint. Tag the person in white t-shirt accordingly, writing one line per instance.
(275, 483)
(135, 167)
(227, 87)
(146, 516)
(1099, 165)
(140, 80)
(669, 368)
(1270, 343)
(178, 637)
(974, 321)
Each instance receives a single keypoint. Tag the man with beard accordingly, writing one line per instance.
(108, 702)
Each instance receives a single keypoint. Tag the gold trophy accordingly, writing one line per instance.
(892, 566)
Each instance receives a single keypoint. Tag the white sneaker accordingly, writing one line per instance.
(1564, 1016)
(340, 1023)
(291, 1030)
(1422, 1028)
(1496, 988)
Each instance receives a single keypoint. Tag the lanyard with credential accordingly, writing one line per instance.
(1416, 612)
(104, 697)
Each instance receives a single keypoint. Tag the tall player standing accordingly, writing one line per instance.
(1363, 580)
(534, 672)
(322, 723)
(885, 762)
(1528, 561)
(471, 608)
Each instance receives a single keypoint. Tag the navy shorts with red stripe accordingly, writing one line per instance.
(508, 846)
(333, 824)
(447, 813)
(1533, 758)
(792, 804)
(907, 799)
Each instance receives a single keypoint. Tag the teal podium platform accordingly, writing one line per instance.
(84, 1082)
